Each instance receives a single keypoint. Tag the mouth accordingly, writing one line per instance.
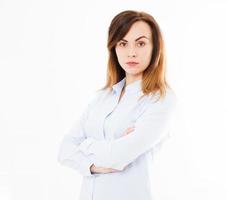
(132, 63)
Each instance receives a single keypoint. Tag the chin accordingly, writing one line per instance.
(133, 72)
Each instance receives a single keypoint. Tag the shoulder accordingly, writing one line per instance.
(98, 96)
(161, 110)
(169, 101)
(170, 97)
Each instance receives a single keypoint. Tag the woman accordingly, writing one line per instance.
(127, 119)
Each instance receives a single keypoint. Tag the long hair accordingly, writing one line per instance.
(153, 77)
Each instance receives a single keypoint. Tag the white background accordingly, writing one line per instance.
(53, 58)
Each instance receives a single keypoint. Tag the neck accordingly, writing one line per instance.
(131, 79)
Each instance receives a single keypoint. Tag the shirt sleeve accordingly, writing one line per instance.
(69, 154)
(150, 129)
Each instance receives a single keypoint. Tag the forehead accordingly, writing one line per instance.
(138, 29)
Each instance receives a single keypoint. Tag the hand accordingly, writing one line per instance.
(128, 130)
(102, 170)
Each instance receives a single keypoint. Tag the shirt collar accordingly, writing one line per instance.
(130, 88)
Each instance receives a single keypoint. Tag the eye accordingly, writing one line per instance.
(122, 44)
(140, 44)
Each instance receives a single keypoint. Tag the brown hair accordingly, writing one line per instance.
(153, 79)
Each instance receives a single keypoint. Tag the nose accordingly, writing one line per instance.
(132, 51)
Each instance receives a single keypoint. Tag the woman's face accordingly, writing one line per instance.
(137, 47)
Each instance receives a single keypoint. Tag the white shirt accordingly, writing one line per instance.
(97, 137)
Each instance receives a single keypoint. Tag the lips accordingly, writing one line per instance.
(132, 63)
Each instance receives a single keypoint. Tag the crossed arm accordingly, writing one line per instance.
(79, 152)
(150, 129)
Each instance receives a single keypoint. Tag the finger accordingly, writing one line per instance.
(130, 130)
(115, 170)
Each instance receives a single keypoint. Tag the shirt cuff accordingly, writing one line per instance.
(84, 146)
(85, 165)
(99, 149)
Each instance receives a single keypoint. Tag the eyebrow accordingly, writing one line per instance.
(137, 38)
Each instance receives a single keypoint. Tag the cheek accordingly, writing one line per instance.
(145, 55)
(120, 55)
